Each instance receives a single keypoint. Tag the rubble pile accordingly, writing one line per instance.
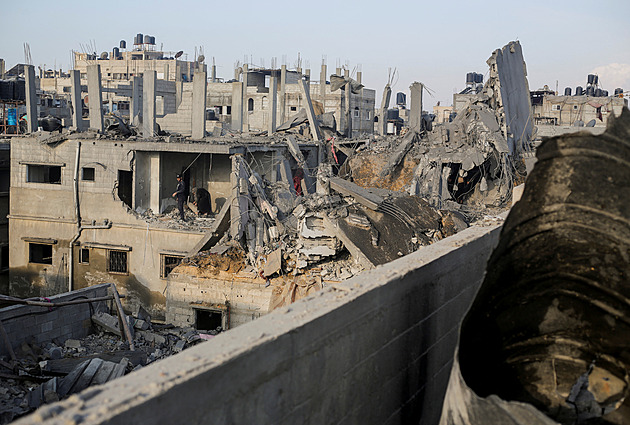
(44, 373)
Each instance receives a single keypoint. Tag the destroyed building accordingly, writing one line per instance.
(470, 163)
(267, 247)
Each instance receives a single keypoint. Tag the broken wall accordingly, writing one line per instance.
(244, 297)
(42, 324)
(508, 75)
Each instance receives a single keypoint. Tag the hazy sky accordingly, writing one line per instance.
(435, 42)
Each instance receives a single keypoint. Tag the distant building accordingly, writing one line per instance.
(585, 108)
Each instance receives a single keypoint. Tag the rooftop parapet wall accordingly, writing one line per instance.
(377, 348)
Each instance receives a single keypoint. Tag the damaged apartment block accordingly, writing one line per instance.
(270, 216)
(285, 191)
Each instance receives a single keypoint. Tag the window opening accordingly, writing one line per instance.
(43, 174)
(84, 256)
(169, 262)
(87, 173)
(117, 261)
(39, 253)
(4, 258)
(208, 320)
(125, 184)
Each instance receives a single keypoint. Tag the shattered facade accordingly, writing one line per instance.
(121, 191)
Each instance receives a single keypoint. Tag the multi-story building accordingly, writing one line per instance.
(80, 210)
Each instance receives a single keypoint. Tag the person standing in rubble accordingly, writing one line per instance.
(180, 195)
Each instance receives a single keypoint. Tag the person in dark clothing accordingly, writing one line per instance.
(180, 195)
(202, 200)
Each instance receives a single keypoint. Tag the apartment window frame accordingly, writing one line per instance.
(84, 255)
(115, 257)
(41, 258)
(164, 266)
(88, 174)
(40, 173)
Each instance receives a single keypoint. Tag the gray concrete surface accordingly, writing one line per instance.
(415, 106)
(377, 348)
(148, 103)
(77, 104)
(31, 100)
(95, 97)
(199, 105)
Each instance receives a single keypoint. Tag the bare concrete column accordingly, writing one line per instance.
(348, 110)
(2, 69)
(31, 100)
(239, 200)
(338, 71)
(156, 178)
(310, 113)
(282, 97)
(95, 97)
(213, 77)
(77, 106)
(415, 106)
(200, 87)
(237, 107)
(179, 85)
(346, 73)
(382, 124)
(148, 103)
(245, 99)
(322, 85)
(359, 77)
(136, 101)
(273, 104)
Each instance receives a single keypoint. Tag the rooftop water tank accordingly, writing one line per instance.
(123, 44)
(579, 91)
(478, 78)
(401, 98)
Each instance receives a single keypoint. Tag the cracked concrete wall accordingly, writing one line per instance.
(377, 348)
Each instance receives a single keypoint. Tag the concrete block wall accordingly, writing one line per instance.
(23, 323)
(180, 121)
(377, 348)
(247, 297)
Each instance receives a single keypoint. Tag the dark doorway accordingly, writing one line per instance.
(208, 320)
(125, 186)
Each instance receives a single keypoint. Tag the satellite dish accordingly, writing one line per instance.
(201, 58)
(178, 54)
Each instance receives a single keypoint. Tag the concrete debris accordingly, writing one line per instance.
(54, 370)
